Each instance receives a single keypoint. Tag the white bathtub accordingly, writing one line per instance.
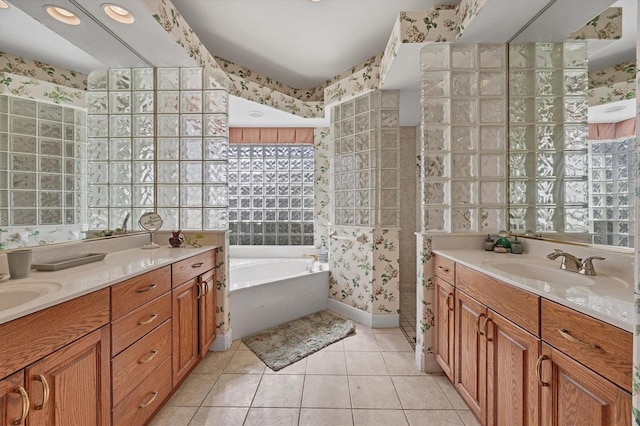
(266, 292)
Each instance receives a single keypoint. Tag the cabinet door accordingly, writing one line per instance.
(184, 322)
(207, 311)
(572, 394)
(72, 385)
(513, 393)
(443, 336)
(470, 378)
(14, 402)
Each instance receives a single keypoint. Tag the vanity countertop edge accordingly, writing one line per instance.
(616, 311)
(78, 281)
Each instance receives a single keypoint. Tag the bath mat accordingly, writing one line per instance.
(287, 343)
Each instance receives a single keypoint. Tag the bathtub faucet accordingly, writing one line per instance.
(314, 256)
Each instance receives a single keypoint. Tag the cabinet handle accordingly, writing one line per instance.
(25, 405)
(154, 395)
(151, 319)
(442, 268)
(199, 294)
(487, 321)
(197, 265)
(147, 288)
(449, 297)
(565, 333)
(45, 392)
(538, 367)
(480, 319)
(152, 354)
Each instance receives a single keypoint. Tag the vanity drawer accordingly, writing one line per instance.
(444, 268)
(134, 325)
(515, 304)
(190, 268)
(145, 399)
(602, 347)
(134, 364)
(137, 291)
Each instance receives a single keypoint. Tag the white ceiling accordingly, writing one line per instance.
(297, 42)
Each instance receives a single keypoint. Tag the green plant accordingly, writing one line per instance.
(191, 240)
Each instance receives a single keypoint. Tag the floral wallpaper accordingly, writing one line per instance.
(425, 294)
(322, 186)
(32, 88)
(614, 83)
(636, 337)
(607, 25)
(366, 79)
(364, 268)
(40, 71)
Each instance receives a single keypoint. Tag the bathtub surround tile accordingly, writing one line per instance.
(324, 417)
(272, 416)
(379, 418)
(220, 416)
(327, 362)
(233, 390)
(279, 391)
(373, 392)
(193, 391)
(366, 364)
(326, 392)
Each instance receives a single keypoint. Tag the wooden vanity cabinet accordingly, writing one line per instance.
(443, 342)
(194, 305)
(13, 396)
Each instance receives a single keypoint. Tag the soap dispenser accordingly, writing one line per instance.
(503, 245)
(324, 253)
(488, 243)
(516, 246)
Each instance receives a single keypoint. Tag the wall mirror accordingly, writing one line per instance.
(569, 179)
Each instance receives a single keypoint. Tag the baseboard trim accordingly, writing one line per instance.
(370, 320)
(426, 362)
(222, 342)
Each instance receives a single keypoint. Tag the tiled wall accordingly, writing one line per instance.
(408, 183)
(463, 167)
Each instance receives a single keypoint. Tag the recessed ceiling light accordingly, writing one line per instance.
(4, 4)
(614, 109)
(118, 13)
(62, 15)
(256, 113)
(314, 1)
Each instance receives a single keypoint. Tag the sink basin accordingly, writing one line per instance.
(551, 274)
(16, 294)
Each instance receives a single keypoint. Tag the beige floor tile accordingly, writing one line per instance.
(366, 364)
(373, 392)
(433, 418)
(193, 390)
(401, 364)
(279, 391)
(393, 342)
(379, 418)
(325, 417)
(235, 344)
(326, 362)
(233, 390)
(337, 346)
(468, 418)
(220, 416)
(298, 367)
(452, 395)
(326, 392)
(361, 342)
(173, 416)
(272, 416)
(244, 362)
(242, 346)
(420, 393)
(361, 328)
(213, 362)
(390, 330)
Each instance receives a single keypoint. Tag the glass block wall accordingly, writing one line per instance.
(158, 142)
(366, 134)
(42, 163)
(548, 137)
(612, 174)
(271, 194)
(463, 165)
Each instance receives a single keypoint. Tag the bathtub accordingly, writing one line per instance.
(268, 291)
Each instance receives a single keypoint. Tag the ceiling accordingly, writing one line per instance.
(296, 42)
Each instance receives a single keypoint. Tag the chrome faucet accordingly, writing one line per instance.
(574, 264)
(124, 223)
(312, 255)
(569, 261)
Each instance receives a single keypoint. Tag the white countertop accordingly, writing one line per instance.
(70, 283)
(605, 297)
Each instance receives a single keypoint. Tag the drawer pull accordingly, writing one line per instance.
(25, 405)
(564, 333)
(147, 288)
(197, 265)
(154, 395)
(443, 269)
(152, 354)
(538, 367)
(151, 319)
(45, 392)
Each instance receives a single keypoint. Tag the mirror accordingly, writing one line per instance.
(150, 222)
(565, 183)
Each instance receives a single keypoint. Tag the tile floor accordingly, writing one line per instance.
(369, 378)
(408, 316)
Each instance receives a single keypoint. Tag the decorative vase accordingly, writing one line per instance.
(175, 240)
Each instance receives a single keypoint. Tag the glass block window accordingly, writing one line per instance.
(271, 194)
(612, 175)
(42, 163)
